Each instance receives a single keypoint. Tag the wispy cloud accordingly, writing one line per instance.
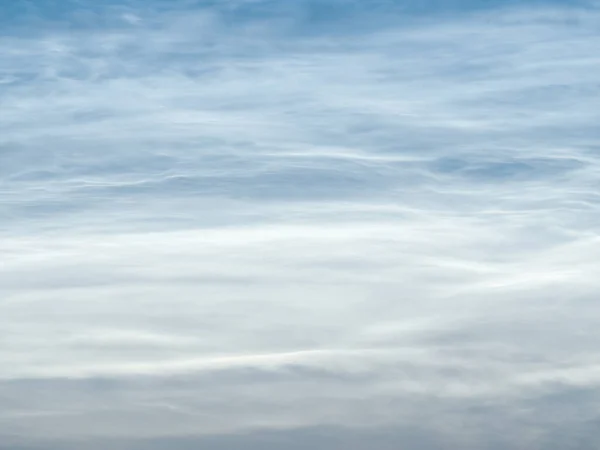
(215, 222)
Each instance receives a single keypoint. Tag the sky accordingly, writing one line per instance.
(299, 224)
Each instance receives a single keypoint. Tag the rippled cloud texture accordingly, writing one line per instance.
(305, 225)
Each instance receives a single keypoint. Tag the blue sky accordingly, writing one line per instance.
(314, 224)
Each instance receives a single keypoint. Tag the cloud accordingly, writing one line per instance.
(230, 220)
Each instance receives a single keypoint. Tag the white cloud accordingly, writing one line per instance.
(363, 228)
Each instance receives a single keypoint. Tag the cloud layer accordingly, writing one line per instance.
(242, 225)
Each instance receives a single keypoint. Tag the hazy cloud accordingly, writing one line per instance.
(247, 225)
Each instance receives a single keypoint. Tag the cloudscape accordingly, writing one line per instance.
(299, 224)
